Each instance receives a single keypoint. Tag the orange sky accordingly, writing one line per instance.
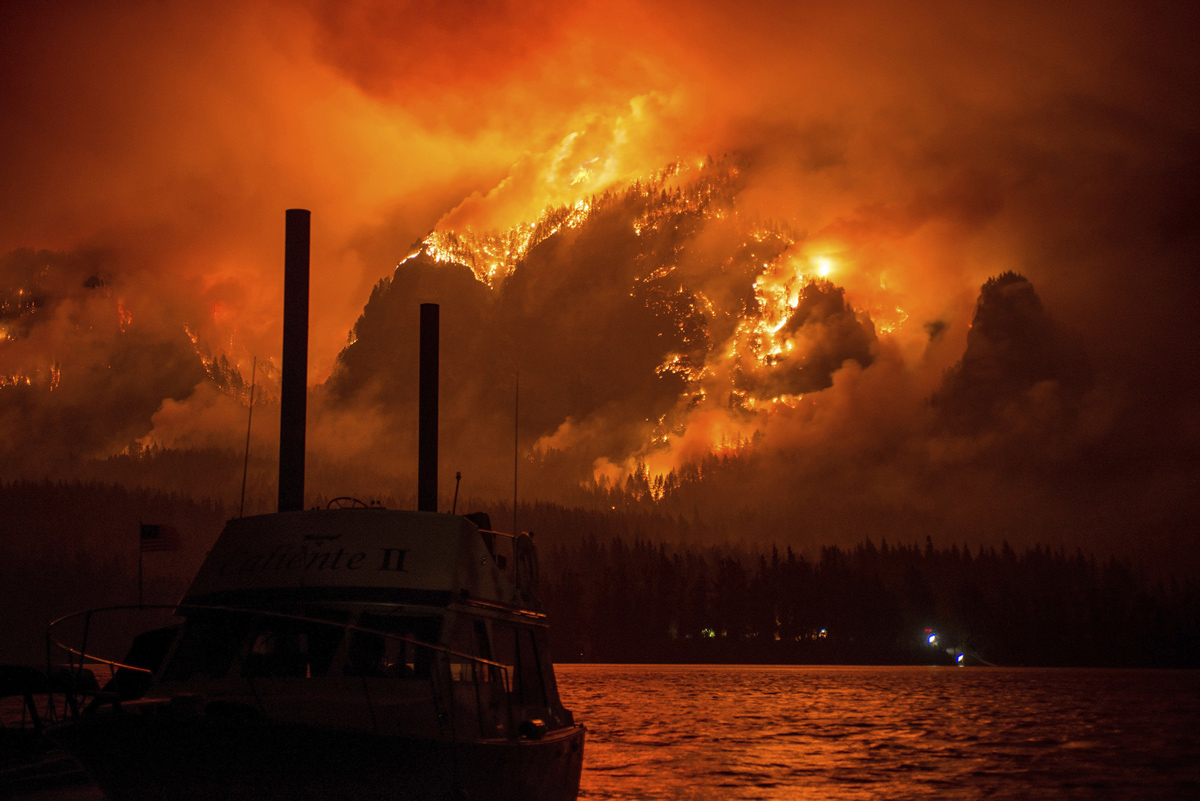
(177, 133)
(922, 149)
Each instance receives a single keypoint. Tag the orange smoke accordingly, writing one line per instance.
(177, 135)
(897, 157)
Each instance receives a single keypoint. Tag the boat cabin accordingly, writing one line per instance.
(391, 622)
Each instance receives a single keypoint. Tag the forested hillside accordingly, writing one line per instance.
(620, 600)
(633, 584)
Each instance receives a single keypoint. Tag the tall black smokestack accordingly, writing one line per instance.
(427, 426)
(295, 361)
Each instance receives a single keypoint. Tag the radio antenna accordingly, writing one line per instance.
(249, 421)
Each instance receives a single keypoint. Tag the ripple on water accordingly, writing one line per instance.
(671, 732)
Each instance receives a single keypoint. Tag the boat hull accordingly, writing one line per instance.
(139, 757)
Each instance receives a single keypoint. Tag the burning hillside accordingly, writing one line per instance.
(656, 326)
(795, 330)
(650, 304)
(653, 325)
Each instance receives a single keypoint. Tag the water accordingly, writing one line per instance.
(736, 732)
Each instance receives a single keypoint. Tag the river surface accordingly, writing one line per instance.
(738, 732)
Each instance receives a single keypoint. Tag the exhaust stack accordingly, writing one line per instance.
(295, 361)
(427, 412)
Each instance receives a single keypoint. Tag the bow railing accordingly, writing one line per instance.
(451, 668)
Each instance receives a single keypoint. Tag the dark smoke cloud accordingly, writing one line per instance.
(80, 375)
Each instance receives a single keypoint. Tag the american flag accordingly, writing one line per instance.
(155, 537)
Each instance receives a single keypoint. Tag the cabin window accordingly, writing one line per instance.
(323, 641)
(541, 640)
(516, 647)
(287, 648)
(478, 644)
(465, 670)
(483, 647)
(504, 647)
(276, 653)
(284, 647)
(208, 647)
(371, 653)
(529, 670)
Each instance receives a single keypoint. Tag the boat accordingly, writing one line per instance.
(349, 652)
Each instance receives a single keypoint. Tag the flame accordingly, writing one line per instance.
(680, 365)
(50, 377)
(724, 403)
(888, 320)
(202, 351)
(493, 255)
(124, 317)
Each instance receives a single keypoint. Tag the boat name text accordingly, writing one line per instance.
(285, 558)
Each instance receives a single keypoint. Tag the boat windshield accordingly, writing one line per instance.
(285, 647)
(268, 646)
(210, 643)
(371, 654)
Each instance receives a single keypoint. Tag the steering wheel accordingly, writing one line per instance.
(346, 502)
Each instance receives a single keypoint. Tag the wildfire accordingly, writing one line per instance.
(124, 317)
(887, 321)
(777, 290)
(790, 401)
(681, 365)
(493, 255)
(202, 351)
(49, 378)
(740, 358)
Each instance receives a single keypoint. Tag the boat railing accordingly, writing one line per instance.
(84, 688)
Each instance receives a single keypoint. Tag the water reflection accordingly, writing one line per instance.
(734, 732)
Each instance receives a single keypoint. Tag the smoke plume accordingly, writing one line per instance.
(735, 253)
